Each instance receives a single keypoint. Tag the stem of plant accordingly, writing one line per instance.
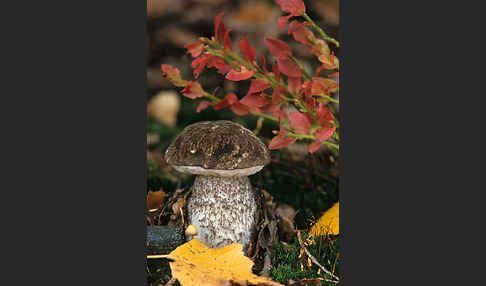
(301, 67)
(318, 29)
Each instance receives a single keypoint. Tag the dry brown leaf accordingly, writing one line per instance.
(328, 223)
(196, 264)
(155, 200)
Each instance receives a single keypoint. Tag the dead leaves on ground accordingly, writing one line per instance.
(196, 264)
(155, 200)
(328, 223)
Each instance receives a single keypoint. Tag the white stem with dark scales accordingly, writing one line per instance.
(222, 209)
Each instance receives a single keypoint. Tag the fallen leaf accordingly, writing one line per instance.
(328, 223)
(196, 264)
(155, 200)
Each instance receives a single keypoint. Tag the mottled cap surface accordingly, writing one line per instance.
(217, 145)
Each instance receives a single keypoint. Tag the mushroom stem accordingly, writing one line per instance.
(222, 209)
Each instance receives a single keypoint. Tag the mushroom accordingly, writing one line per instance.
(222, 203)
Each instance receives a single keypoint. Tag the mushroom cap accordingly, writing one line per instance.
(217, 148)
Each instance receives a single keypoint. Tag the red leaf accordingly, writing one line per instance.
(203, 105)
(198, 64)
(323, 116)
(246, 49)
(291, 6)
(227, 43)
(300, 33)
(320, 48)
(329, 62)
(264, 63)
(323, 85)
(276, 71)
(195, 49)
(255, 101)
(282, 21)
(289, 67)
(243, 74)
(313, 147)
(193, 90)
(173, 75)
(228, 100)
(281, 141)
(299, 123)
(239, 108)
(217, 22)
(222, 30)
(323, 133)
(258, 85)
(276, 98)
(294, 84)
(219, 63)
(278, 48)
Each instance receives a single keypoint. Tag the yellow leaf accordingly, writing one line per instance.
(196, 264)
(328, 223)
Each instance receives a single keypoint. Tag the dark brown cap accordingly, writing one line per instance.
(219, 148)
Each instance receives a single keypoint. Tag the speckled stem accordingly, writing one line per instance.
(222, 209)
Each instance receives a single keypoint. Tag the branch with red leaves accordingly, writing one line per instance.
(289, 84)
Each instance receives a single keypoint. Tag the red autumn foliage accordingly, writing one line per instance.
(217, 22)
(195, 49)
(203, 104)
(246, 49)
(278, 48)
(282, 21)
(288, 67)
(291, 6)
(255, 101)
(258, 85)
(301, 33)
(173, 75)
(227, 43)
(312, 120)
(242, 74)
(228, 100)
(281, 140)
(299, 123)
(193, 90)
(295, 84)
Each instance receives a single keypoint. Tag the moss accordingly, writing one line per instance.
(286, 262)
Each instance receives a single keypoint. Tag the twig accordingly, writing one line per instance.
(314, 260)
